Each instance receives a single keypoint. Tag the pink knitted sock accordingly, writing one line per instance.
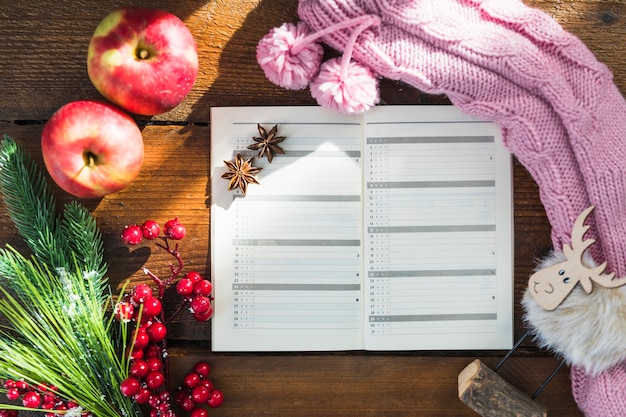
(602, 395)
(531, 128)
(599, 142)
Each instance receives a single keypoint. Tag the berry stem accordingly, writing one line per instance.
(174, 269)
(175, 313)
(158, 281)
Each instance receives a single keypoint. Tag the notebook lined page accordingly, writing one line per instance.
(434, 257)
(294, 282)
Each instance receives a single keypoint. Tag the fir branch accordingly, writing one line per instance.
(85, 240)
(31, 205)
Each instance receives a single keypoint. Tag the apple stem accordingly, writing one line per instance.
(91, 159)
(143, 53)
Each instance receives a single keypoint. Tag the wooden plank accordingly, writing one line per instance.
(358, 385)
(45, 57)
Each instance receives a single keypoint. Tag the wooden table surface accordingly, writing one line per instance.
(43, 66)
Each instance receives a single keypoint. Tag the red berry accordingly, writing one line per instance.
(200, 394)
(140, 293)
(204, 316)
(157, 332)
(124, 311)
(151, 307)
(153, 351)
(21, 385)
(154, 380)
(154, 400)
(179, 395)
(193, 276)
(31, 399)
(187, 403)
(143, 395)
(154, 364)
(174, 229)
(142, 339)
(199, 412)
(13, 393)
(132, 235)
(139, 369)
(165, 396)
(184, 287)
(203, 287)
(136, 354)
(191, 380)
(9, 383)
(215, 399)
(206, 383)
(130, 386)
(202, 369)
(48, 401)
(200, 304)
(150, 229)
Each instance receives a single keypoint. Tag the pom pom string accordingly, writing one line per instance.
(344, 85)
(363, 22)
(369, 20)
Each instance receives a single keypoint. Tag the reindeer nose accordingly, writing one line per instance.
(549, 290)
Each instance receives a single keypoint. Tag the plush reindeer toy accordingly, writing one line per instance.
(550, 285)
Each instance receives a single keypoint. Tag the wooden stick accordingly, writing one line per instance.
(489, 395)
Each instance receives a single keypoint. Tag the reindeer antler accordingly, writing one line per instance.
(551, 285)
(579, 245)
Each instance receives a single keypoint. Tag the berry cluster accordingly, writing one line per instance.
(42, 397)
(148, 374)
(150, 230)
(197, 390)
(196, 291)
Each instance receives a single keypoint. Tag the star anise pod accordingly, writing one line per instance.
(241, 172)
(267, 143)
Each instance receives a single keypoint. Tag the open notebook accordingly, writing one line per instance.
(386, 231)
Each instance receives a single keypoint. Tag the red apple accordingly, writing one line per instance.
(92, 148)
(143, 60)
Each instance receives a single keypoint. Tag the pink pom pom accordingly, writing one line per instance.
(287, 58)
(353, 93)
